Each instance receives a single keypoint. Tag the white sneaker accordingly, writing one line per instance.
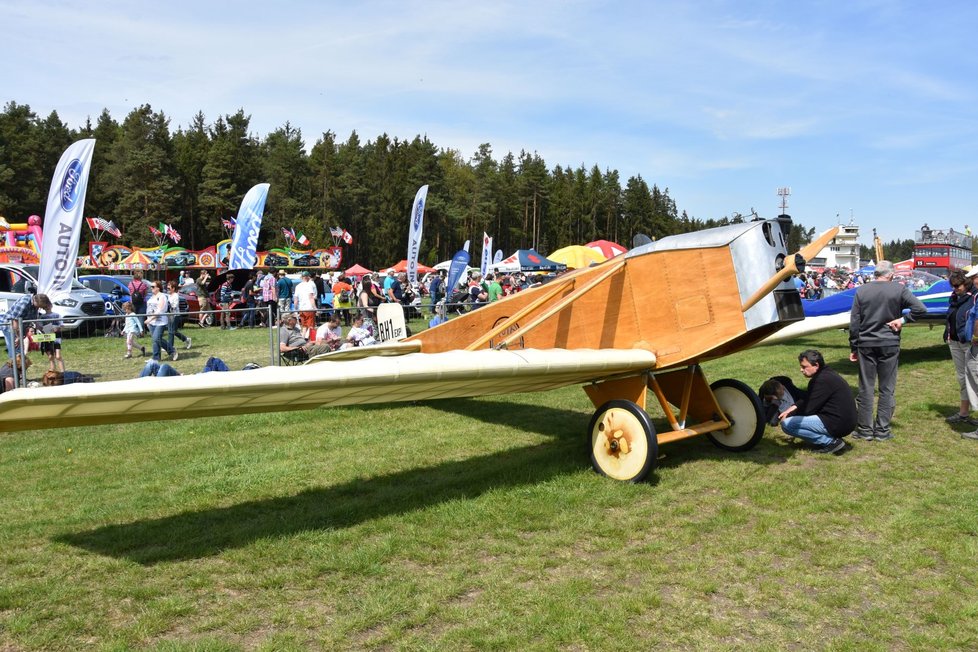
(175, 355)
(189, 340)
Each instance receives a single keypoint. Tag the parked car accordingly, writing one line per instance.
(305, 260)
(116, 289)
(274, 260)
(180, 259)
(17, 279)
(238, 279)
(112, 288)
(188, 298)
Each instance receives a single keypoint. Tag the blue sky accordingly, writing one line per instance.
(864, 108)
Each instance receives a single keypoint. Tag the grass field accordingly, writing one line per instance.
(478, 524)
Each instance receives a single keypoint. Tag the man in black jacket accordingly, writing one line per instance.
(827, 414)
(874, 340)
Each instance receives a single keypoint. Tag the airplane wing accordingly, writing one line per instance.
(833, 312)
(809, 326)
(376, 379)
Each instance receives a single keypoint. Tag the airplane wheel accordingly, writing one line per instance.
(623, 442)
(743, 407)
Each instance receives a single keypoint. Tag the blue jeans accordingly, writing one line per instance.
(158, 342)
(809, 428)
(8, 339)
(173, 331)
(248, 316)
(154, 368)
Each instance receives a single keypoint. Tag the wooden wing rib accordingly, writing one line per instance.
(416, 376)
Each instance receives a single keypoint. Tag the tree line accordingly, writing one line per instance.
(143, 174)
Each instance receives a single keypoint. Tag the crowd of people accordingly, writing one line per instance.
(820, 284)
(817, 285)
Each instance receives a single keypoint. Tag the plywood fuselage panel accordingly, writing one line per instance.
(679, 304)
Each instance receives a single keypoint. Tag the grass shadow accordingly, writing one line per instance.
(198, 534)
(208, 532)
(570, 423)
(768, 451)
(541, 420)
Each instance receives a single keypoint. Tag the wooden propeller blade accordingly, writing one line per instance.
(810, 250)
(791, 267)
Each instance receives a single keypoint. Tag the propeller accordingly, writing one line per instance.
(791, 265)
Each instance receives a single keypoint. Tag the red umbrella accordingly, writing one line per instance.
(607, 248)
(402, 267)
(358, 270)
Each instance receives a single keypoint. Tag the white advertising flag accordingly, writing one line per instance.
(244, 241)
(414, 235)
(486, 254)
(63, 220)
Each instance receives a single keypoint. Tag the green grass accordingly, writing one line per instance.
(478, 524)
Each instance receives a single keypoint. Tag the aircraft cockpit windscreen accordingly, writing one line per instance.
(917, 279)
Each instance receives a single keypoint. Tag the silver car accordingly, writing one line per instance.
(17, 279)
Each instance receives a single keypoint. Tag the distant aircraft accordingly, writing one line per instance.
(833, 311)
(640, 322)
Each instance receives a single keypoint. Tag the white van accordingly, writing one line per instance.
(17, 279)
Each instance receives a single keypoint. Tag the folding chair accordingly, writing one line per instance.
(294, 357)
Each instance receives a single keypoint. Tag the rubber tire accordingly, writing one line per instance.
(741, 404)
(639, 433)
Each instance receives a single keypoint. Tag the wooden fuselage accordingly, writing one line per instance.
(683, 304)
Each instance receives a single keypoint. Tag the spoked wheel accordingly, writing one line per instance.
(743, 408)
(623, 442)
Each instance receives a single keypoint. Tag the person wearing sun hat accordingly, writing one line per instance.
(283, 288)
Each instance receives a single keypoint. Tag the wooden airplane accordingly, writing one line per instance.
(641, 321)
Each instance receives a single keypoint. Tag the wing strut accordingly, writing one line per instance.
(558, 286)
(614, 267)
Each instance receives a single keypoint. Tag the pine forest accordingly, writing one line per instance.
(143, 174)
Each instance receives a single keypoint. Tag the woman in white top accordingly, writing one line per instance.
(157, 307)
(176, 319)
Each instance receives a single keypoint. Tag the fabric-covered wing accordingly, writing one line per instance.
(808, 326)
(416, 376)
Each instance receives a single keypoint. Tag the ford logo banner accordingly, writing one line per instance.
(70, 185)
